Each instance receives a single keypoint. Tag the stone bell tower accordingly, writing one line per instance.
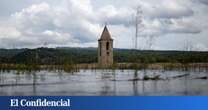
(105, 49)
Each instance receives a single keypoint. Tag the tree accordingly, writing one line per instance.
(188, 45)
(139, 25)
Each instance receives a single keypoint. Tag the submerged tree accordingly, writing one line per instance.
(139, 25)
(150, 40)
(188, 45)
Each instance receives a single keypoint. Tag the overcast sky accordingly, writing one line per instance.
(168, 24)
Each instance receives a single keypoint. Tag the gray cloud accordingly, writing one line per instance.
(79, 22)
(166, 9)
(203, 2)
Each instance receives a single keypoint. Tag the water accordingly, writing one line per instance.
(104, 82)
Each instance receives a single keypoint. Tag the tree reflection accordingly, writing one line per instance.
(105, 88)
(135, 83)
(34, 81)
(155, 83)
(114, 82)
(186, 80)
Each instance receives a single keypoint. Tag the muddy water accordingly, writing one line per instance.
(104, 82)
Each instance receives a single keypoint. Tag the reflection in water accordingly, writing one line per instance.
(155, 86)
(34, 82)
(186, 79)
(1, 78)
(167, 80)
(60, 75)
(143, 82)
(17, 78)
(104, 82)
(106, 87)
(42, 77)
(114, 83)
(135, 84)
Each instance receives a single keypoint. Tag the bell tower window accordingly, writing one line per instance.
(107, 46)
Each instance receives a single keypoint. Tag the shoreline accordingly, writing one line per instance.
(136, 66)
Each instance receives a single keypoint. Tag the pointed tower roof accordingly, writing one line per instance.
(106, 35)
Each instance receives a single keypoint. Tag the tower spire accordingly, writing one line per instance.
(105, 34)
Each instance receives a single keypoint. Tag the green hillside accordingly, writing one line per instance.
(89, 55)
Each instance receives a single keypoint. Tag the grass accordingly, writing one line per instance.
(122, 66)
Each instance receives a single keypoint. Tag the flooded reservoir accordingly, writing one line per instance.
(104, 83)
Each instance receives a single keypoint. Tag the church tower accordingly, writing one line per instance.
(105, 49)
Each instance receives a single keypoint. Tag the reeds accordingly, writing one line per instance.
(122, 66)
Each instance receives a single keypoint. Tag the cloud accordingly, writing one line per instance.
(44, 23)
(80, 22)
(203, 2)
(76, 21)
(9, 32)
(114, 16)
(166, 9)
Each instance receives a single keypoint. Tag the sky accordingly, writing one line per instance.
(166, 24)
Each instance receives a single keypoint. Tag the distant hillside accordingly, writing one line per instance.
(89, 55)
(10, 52)
(53, 56)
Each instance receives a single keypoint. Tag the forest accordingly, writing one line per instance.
(66, 55)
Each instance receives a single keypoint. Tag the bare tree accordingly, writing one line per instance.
(139, 26)
(188, 45)
(150, 41)
(138, 22)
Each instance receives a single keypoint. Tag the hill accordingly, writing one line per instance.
(64, 55)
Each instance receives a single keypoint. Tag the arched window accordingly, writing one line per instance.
(107, 46)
